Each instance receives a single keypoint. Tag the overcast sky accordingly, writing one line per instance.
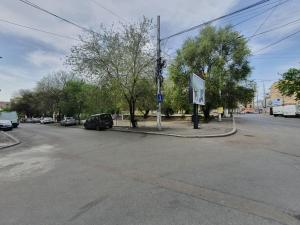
(29, 55)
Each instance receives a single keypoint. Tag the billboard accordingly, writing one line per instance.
(197, 90)
(276, 102)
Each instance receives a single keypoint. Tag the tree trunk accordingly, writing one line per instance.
(206, 111)
(146, 114)
(132, 112)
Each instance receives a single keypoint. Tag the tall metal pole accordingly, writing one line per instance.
(265, 103)
(158, 75)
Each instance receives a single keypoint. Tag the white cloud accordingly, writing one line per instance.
(175, 16)
(46, 59)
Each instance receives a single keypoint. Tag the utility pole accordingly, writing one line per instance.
(257, 106)
(265, 102)
(158, 76)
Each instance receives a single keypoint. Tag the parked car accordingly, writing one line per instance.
(35, 120)
(11, 116)
(98, 122)
(6, 125)
(68, 121)
(46, 120)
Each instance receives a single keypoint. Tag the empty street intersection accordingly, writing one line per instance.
(73, 176)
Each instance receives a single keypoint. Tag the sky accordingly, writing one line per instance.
(29, 55)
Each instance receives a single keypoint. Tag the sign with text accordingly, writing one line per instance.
(197, 90)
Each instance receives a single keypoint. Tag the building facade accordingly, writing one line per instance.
(4, 105)
(276, 98)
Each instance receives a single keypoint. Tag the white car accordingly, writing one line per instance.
(46, 120)
(6, 125)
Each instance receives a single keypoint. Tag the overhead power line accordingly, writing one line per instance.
(107, 9)
(258, 14)
(265, 20)
(38, 30)
(253, 10)
(279, 41)
(218, 18)
(275, 28)
(57, 16)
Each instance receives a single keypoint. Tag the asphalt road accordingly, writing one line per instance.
(72, 176)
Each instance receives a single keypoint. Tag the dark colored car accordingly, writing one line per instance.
(98, 122)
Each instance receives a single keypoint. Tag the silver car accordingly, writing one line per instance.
(68, 121)
(46, 120)
(6, 125)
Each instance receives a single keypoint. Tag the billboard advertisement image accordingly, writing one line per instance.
(197, 90)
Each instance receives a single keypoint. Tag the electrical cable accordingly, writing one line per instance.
(265, 20)
(57, 16)
(275, 28)
(107, 9)
(278, 41)
(215, 19)
(39, 30)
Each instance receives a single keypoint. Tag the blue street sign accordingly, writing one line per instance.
(160, 98)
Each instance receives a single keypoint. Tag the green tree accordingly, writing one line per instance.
(26, 103)
(168, 106)
(73, 98)
(50, 92)
(221, 56)
(122, 59)
(147, 98)
(289, 85)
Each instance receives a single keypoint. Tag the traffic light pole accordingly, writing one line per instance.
(158, 75)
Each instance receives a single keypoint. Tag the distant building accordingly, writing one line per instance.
(4, 105)
(276, 98)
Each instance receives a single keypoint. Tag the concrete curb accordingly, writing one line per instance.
(16, 141)
(233, 131)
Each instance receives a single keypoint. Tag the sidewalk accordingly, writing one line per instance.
(180, 128)
(6, 140)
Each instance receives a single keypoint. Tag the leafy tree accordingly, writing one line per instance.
(221, 56)
(289, 85)
(26, 103)
(147, 98)
(73, 98)
(122, 59)
(50, 92)
(168, 103)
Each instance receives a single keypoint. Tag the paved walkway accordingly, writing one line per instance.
(184, 128)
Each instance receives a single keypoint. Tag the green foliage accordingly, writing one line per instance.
(219, 54)
(120, 60)
(168, 106)
(289, 85)
(73, 98)
(26, 103)
(147, 97)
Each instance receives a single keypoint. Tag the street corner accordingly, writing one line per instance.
(183, 129)
(7, 140)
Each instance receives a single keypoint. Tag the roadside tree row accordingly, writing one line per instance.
(113, 70)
